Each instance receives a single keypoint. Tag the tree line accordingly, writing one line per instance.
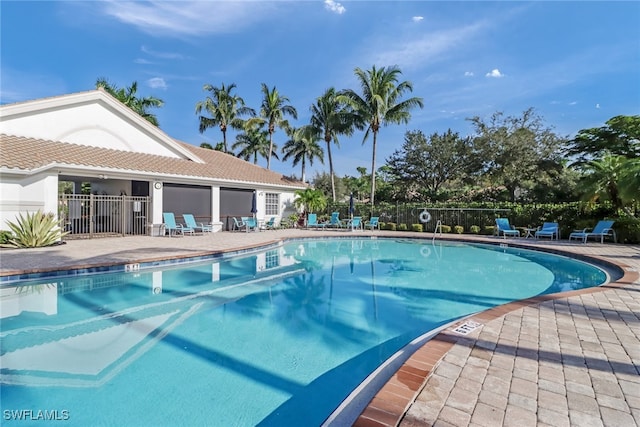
(507, 158)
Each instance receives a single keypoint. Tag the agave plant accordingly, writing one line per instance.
(35, 230)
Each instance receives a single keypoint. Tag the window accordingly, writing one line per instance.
(272, 204)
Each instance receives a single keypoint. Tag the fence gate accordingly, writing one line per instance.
(89, 215)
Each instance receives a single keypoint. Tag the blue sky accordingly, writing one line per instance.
(576, 63)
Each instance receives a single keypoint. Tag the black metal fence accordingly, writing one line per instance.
(428, 216)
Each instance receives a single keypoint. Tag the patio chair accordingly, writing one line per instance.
(372, 223)
(503, 227)
(271, 224)
(601, 230)
(250, 223)
(335, 220)
(237, 225)
(190, 221)
(356, 222)
(549, 229)
(172, 227)
(312, 221)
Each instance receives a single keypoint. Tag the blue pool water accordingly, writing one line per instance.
(275, 338)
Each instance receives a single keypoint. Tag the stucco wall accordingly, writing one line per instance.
(20, 194)
(91, 124)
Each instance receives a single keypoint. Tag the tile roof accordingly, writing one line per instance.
(22, 153)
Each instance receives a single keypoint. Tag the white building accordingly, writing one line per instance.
(93, 141)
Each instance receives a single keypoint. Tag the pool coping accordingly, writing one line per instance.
(389, 406)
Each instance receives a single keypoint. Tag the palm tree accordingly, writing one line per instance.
(630, 181)
(252, 142)
(303, 146)
(602, 179)
(128, 97)
(272, 112)
(310, 199)
(379, 105)
(331, 118)
(225, 109)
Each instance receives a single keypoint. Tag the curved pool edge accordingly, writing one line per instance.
(390, 404)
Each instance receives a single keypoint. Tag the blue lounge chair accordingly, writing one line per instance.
(335, 220)
(356, 222)
(312, 221)
(372, 223)
(549, 229)
(271, 224)
(172, 227)
(190, 221)
(250, 223)
(601, 230)
(503, 227)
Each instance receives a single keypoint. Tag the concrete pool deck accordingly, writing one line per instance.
(564, 359)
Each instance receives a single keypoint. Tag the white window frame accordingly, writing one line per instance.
(272, 204)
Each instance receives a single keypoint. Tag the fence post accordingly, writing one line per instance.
(123, 220)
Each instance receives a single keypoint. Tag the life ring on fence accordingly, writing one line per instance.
(425, 251)
(425, 216)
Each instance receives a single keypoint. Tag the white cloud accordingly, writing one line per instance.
(573, 103)
(417, 18)
(415, 51)
(495, 73)
(142, 61)
(162, 55)
(157, 83)
(334, 7)
(468, 73)
(180, 18)
(598, 106)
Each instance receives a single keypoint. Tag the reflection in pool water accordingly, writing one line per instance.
(278, 337)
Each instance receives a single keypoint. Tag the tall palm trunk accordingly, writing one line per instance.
(270, 149)
(224, 140)
(333, 183)
(373, 169)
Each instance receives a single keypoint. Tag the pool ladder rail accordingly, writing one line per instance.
(436, 229)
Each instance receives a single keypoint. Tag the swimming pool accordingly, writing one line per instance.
(277, 337)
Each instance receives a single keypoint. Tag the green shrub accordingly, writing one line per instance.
(390, 226)
(402, 227)
(627, 230)
(458, 229)
(416, 227)
(488, 230)
(5, 237)
(381, 225)
(474, 229)
(445, 228)
(35, 230)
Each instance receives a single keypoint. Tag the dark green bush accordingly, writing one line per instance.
(5, 236)
(627, 230)
(402, 227)
(390, 226)
(445, 228)
(488, 230)
(416, 227)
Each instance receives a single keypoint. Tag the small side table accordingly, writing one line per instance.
(529, 232)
